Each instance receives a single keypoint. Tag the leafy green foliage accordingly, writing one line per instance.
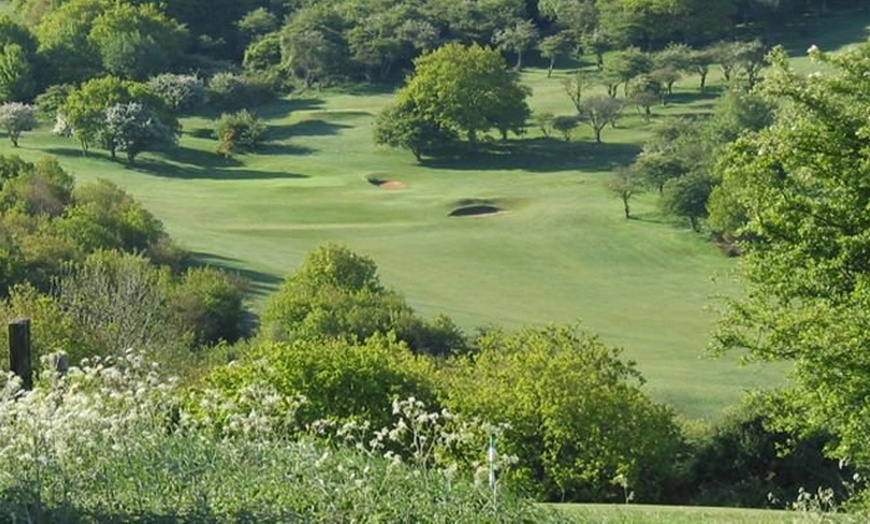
(230, 91)
(598, 112)
(17, 81)
(211, 304)
(112, 441)
(467, 89)
(686, 196)
(516, 39)
(403, 126)
(83, 112)
(336, 293)
(577, 417)
(801, 183)
(340, 380)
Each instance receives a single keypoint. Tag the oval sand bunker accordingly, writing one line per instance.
(476, 211)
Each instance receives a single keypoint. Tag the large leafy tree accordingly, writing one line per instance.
(64, 43)
(467, 89)
(137, 41)
(83, 113)
(801, 185)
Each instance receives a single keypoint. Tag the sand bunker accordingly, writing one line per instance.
(476, 211)
(386, 184)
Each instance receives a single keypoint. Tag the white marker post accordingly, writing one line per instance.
(492, 456)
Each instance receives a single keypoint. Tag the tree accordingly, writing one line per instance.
(137, 41)
(404, 126)
(575, 84)
(545, 122)
(63, 39)
(645, 91)
(16, 118)
(312, 46)
(467, 89)
(802, 183)
(687, 196)
(119, 301)
(598, 111)
(666, 76)
(516, 39)
(134, 128)
(625, 183)
(627, 64)
(699, 63)
(17, 81)
(554, 47)
(577, 416)
(83, 111)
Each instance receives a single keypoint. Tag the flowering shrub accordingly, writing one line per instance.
(111, 442)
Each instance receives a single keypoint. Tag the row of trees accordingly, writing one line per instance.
(71, 41)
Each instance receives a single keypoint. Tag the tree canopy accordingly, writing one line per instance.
(467, 89)
(801, 187)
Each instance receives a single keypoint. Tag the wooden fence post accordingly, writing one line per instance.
(19, 351)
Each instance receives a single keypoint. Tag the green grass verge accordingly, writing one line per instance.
(645, 514)
(561, 252)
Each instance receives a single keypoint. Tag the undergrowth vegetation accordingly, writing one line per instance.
(113, 441)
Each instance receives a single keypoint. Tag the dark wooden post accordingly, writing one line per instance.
(61, 364)
(19, 351)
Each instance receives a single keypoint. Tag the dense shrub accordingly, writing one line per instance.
(179, 92)
(340, 380)
(210, 303)
(337, 293)
(242, 131)
(748, 461)
(579, 424)
(230, 91)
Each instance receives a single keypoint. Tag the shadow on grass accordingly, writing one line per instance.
(199, 158)
(710, 93)
(284, 106)
(157, 167)
(541, 155)
(261, 284)
(284, 149)
(314, 127)
(192, 164)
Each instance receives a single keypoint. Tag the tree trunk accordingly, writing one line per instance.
(550, 69)
(597, 134)
(14, 138)
(519, 65)
(694, 222)
(703, 80)
(625, 206)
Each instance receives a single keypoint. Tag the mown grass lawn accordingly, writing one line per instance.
(561, 251)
